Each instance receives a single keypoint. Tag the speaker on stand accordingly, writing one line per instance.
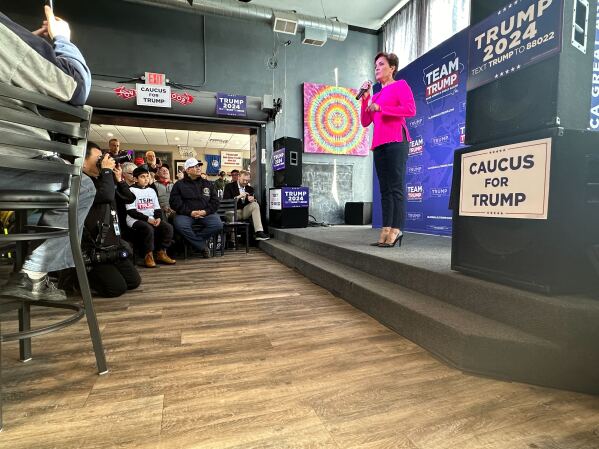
(556, 255)
(550, 93)
(287, 164)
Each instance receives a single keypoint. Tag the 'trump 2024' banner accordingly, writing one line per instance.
(438, 80)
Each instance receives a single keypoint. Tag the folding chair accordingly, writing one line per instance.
(226, 210)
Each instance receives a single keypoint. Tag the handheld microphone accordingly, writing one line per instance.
(363, 91)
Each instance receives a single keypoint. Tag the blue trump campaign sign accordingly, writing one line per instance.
(293, 197)
(438, 81)
(231, 105)
(521, 33)
(278, 159)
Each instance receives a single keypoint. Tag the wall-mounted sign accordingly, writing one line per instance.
(278, 159)
(155, 78)
(231, 105)
(155, 96)
(511, 181)
(230, 158)
(187, 152)
(519, 34)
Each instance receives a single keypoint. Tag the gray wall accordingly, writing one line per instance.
(125, 40)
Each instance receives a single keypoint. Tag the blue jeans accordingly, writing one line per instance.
(390, 163)
(53, 254)
(203, 229)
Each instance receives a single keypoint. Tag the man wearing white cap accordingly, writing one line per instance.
(195, 201)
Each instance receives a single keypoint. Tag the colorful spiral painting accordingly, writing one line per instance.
(332, 121)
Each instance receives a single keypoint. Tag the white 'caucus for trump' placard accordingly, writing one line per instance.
(510, 181)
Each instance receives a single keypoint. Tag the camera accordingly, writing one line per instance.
(108, 254)
(121, 158)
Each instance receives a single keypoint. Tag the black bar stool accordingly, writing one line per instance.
(72, 125)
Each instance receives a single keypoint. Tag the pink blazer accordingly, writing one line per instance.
(396, 102)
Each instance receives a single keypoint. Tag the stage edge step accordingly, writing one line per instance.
(462, 339)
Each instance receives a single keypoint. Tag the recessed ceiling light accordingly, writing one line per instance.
(177, 139)
(109, 134)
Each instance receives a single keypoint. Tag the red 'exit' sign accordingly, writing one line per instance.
(155, 78)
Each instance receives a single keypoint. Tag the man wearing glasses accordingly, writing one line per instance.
(195, 202)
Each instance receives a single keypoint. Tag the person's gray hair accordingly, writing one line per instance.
(128, 167)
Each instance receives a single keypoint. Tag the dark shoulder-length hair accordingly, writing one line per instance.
(391, 58)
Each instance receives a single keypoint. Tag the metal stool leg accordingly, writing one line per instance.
(25, 310)
(90, 313)
(25, 325)
(247, 239)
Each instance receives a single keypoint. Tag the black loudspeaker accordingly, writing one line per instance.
(291, 175)
(551, 256)
(553, 92)
(289, 218)
(358, 213)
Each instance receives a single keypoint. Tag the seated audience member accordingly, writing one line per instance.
(144, 217)
(151, 161)
(139, 161)
(128, 168)
(234, 175)
(114, 147)
(56, 69)
(112, 272)
(247, 205)
(164, 186)
(195, 202)
(221, 182)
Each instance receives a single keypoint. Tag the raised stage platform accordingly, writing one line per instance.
(473, 325)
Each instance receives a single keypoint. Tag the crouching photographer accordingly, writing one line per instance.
(110, 269)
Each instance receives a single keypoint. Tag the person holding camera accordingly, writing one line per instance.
(110, 269)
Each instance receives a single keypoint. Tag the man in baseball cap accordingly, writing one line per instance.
(195, 202)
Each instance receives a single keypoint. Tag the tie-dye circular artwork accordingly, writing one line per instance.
(332, 121)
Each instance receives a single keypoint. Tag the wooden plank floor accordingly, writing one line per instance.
(242, 352)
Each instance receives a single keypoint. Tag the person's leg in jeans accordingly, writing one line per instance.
(53, 254)
(382, 173)
(183, 224)
(397, 166)
(210, 225)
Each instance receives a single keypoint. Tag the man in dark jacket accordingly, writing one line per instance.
(247, 206)
(195, 202)
(102, 232)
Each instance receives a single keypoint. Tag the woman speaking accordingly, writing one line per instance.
(388, 110)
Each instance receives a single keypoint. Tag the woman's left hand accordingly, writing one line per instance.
(373, 107)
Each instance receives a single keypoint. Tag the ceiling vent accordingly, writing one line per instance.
(312, 36)
(284, 23)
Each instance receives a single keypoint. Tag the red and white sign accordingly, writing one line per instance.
(230, 158)
(155, 78)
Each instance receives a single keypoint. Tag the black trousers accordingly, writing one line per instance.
(112, 280)
(149, 238)
(390, 164)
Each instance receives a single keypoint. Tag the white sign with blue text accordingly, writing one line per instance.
(511, 181)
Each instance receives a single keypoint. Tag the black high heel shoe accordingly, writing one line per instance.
(391, 245)
(379, 244)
